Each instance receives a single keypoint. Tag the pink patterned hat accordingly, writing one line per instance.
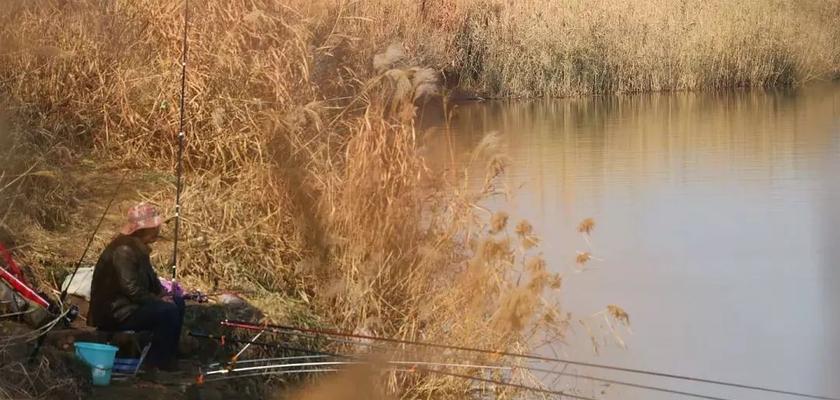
(141, 216)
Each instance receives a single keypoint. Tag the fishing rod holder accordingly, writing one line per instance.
(197, 297)
(72, 315)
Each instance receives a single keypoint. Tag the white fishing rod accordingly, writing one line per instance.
(279, 363)
(333, 366)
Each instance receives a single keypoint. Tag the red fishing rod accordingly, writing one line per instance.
(11, 264)
(22, 288)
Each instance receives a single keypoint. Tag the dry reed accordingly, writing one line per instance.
(53, 376)
(303, 177)
(550, 48)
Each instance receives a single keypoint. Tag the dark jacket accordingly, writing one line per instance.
(123, 280)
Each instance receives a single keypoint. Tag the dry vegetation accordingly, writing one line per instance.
(561, 48)
(54, 376)
(303, 177)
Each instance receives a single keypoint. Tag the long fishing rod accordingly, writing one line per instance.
(320, 353)
(64, 290)
(269, 363)
(264, 360)
(415, 367)
(486, 367)
(179, 169)
(322, 337)
(66, 287)
(332, 339)
(283, 328)
(323, 354)
(267, 369)
(224, 339)
(229, 371)
(202, 379)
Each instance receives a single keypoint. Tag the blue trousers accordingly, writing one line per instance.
(164, 319)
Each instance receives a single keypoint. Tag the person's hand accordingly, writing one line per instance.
(171, 288)
(177, 290)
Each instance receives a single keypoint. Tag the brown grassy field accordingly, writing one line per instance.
(303, 179)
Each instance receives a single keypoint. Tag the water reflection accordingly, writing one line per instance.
(831, 257)
(718, 222)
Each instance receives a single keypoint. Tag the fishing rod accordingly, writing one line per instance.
(278, 359)
(250, 342)
(179, 169)
(324, 332)
(324, 354)
(276, 366)
(272, 362)
(224, 340)
(17, 314)
(66, 287)
(202, 379)
(229, 371)
(269, 369)
(497, 368)
(11, 264)
(72, 312)
(333, 366)
(320, 353)
(32, 335)
(332, 339)
(17, 280)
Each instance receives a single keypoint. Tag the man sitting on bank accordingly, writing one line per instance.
(126, 293)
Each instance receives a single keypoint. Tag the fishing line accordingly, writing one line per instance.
(276, 363)
(332, 339)
(35, 334)
(267, 370)
(305, 371)
(503, 383)
(226, 371)
(246, 325)
(415, 367)
(320, 354)
(15, 314)
(224, 339)
(216, 365)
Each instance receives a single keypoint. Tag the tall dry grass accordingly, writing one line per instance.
(562, 48)
(303, 178)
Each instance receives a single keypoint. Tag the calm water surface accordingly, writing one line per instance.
(718, 223)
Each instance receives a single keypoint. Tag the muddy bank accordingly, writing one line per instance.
(58, 374)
